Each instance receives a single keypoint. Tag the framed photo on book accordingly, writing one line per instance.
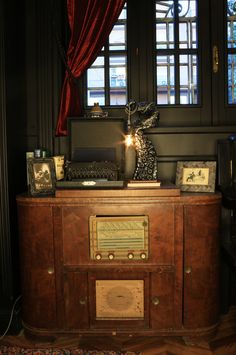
(41, 173)
(196, 176)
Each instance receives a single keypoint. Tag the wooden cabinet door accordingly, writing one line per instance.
(124, 300)
(165, 310)
(37, 266)
(201, 306)
(76, 300)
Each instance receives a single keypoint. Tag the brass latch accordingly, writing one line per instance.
(215, 59)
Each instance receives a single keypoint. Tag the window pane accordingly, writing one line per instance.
(118, 97)
(164, 9)
(96, 82)
(96, 95)
(165, 80)
(117, 80)
(187, 25)
(99, 61)
(164, 24)
(231, 23)
(231, 78)
(231, 32)
(176, 35)
(106, 78)
(117, 38)
(187, 8)
(188, 79)
(164, 35)
(95, 74)
(123, 14)
(231, 44)
(95, 77)
(187, 35)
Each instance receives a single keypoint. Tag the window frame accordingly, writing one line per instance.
(211, 110)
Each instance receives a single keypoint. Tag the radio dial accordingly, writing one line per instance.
(130, 256)
(143, 256)
(98, 257)
(111, 256)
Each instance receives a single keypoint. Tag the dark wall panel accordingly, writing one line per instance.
(174, 144)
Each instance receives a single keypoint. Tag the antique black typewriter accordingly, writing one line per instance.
(96, 153)
(84, 167)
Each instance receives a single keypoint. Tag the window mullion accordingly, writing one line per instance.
(176, 54)
(106, 73)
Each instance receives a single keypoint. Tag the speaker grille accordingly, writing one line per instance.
(119, 299)
(119, 237)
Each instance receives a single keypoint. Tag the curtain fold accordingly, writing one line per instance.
(91, 22)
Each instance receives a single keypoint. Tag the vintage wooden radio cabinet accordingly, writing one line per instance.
(119, 261)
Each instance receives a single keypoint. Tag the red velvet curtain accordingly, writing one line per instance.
(91, 22)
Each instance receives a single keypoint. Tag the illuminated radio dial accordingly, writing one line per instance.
(98, 257)
(130, 256)
(111, 256)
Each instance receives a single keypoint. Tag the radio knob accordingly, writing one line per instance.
(98, 257)
(143, 256)
(130, 256)
(111, 256)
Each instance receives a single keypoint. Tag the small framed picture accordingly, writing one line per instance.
(59, 166)
(196, 176)
(41, 174)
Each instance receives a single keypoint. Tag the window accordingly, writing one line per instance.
(107, 77)
(180, 54)
(176, 52)
(231, 51)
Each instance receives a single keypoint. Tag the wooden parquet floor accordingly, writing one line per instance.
(224, 342)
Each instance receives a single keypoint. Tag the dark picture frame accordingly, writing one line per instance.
(42, 178)
(196, 176)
